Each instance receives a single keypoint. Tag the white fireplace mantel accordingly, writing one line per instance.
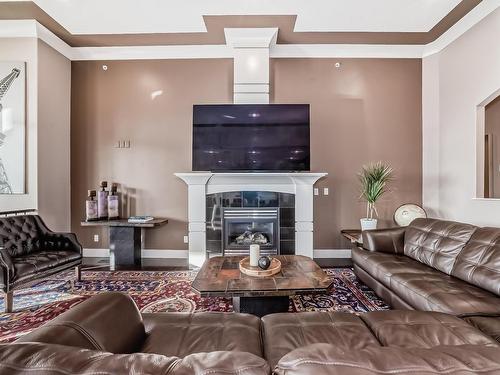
(202, 183)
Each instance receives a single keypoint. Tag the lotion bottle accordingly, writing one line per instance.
(113, 203)
(102, 201)
(91, 207)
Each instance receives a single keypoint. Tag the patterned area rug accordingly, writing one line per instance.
(164, 291)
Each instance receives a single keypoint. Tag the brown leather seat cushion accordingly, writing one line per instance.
(442, 293)
(109, 322)
(382, 266)
(180, 334)
(423, 287)
(417, 329)
(45, 359)
(490, 325)
(33, 263)
(328, 359)
(286, 332)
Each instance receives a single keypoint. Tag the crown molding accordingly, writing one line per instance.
(33, 29)
(472, 18)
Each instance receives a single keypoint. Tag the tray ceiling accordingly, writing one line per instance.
(186, 16)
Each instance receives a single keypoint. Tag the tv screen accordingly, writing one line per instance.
(251, 137)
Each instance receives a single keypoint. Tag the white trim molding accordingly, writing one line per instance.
(31, 28)
(183, 254)
(332, 254)
(146, 253)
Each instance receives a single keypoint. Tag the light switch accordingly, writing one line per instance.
(316, 191)
(326, 191)
(186, 239)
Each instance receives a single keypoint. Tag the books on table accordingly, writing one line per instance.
(140, 219)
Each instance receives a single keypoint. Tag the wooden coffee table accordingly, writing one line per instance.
(221, 277)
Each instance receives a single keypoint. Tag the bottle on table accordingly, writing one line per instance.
(91, 207)
(113, 203)
(102, 201)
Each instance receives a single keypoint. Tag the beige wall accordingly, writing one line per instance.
(468, 71)
(117, 104)
(368, 110)
(47, 132)
(54, 90)
(25, 49)
(492, 127)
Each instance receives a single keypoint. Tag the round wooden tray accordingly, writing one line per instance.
(247, 269)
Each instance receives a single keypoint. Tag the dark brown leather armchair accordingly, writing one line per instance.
(30, 251)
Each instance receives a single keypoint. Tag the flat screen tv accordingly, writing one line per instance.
(251, 137)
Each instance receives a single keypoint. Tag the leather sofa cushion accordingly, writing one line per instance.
(436, 243)
(109, 322)
(180, 334)
(382, 266)
(417, 329)
(479, 261)
(328, 359)
(443, 293)
(36, 358)
(490, 325)
(285, 332)
(31, 264)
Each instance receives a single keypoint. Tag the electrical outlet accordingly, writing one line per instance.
(316, 191)
(186, 239)
(326, 191)
(96, 238)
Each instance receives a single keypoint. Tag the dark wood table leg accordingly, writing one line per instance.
(261, 306)
(125, 244)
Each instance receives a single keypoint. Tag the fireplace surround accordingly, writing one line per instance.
(202, 185)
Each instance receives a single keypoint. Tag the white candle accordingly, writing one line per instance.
(254, 255)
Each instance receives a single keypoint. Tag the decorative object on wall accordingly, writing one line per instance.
(374, 178)
(12, 127)
(408, 212)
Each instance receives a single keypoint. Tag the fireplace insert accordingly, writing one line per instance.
(245, 226)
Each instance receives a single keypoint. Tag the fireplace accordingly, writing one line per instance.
(209, 193)
(239, 218)
(245, 226)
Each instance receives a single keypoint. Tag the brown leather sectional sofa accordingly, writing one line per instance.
(436, 265)
(107, 335)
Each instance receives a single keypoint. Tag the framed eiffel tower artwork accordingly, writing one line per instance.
(12, 127)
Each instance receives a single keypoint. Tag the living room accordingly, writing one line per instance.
(250, 188)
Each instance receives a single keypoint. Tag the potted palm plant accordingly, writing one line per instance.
(374, 178)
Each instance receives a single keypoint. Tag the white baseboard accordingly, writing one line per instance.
(146, 253)
(183, 254)
(332, 254)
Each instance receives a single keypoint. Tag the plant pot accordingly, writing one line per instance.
(368, 224)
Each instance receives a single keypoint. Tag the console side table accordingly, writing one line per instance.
(125, 239)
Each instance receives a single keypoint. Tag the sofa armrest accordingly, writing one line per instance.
(109, 322)
(6, 268)
(328, 359)
(37, 358)
(390, 240)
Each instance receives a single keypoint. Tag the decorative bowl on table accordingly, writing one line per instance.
(249, 270)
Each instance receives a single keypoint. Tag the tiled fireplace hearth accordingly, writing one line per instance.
(226, 209)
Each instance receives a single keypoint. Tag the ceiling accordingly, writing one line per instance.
(97, 23)
(169, 16)
(186, 16)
